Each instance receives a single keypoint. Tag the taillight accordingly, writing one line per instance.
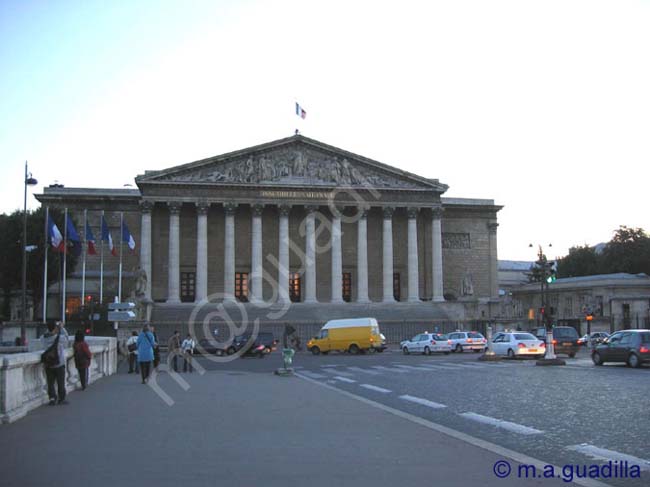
(542, 345)
(449, 342)
(469, 340)
(433, 342)
(644, 350)
(521, 345)
(372, 339)
(554, 341)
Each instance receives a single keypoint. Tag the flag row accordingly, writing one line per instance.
(71, 239)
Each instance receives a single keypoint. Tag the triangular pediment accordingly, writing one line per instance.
(295, 161)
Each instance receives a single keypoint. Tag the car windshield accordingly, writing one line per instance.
(438, 337)
(474, 335)
(645, 337)
(565, 333)
(524, 336)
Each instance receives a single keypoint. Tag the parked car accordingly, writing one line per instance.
(260, 345)
(629, 346)
(565, 340)
(518, 344)
(426, 343)
(592, 339)
(208, 346)
(467, 340)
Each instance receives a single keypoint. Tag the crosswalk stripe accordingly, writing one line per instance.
(389, 369)
(338, 372)
(313, 375)
(375, 388)
(364, 371)
(607, 455)
(499, 423)
(423, 402)
(345, 379)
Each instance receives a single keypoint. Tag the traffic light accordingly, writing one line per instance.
(552, 272)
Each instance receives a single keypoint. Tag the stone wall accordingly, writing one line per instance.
(23, 386)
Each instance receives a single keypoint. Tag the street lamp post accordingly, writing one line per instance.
(29, 181)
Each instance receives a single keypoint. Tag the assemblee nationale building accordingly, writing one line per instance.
(296, 221)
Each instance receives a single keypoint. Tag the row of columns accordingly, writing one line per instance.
(256, 273)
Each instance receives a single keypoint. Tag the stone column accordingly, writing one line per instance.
(436, 259)
(388, 255)
(201, 251)
(494, 272)
(283, 254)
(174, 272)
(362, 257)
(256, 254)
(229, 253)
(337, 260)
(145, 245)
(414, 281)
(310, 258)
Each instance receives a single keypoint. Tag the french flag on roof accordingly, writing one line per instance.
(54, 235)
(106, 237)
(90, 240)
(300, 111)
(127, 238)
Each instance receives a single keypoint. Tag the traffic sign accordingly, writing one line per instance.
(121, 315)
(118, 306)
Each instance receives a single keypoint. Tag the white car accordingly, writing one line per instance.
(518, 344)
(426, 343)
(467, 340)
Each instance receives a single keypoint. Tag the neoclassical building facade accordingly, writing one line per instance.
(295, 221)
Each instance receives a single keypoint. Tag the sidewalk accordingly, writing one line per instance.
(233, 428)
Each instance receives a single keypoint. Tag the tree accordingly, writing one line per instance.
(581, 261)
(11, 257)
(628, 251)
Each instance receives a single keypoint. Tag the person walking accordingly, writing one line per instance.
(146, 344)
(132, 348)
(56, 336)
(188, 349)
(173, 349)
(82, 358)
(156, 348)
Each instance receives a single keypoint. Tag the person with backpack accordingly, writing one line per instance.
(82, 358)
(55, 342)
(132, 348)
(146, 345)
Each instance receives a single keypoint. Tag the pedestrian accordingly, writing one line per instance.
(56, 336)
(146, 346)
(132, 347)
(188, 350)
(82, 358)
(173, 349)
(156, 349)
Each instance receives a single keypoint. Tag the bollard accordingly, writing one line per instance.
(287, 357)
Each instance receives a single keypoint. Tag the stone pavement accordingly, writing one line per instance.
(232, 428)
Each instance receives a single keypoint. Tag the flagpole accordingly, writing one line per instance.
(101, 259)
(119, 285)
(47, 244)
(83, 264)
(65, 260)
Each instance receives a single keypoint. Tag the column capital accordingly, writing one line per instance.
(436, 212)
(284, 209)
(492, 228)
(146, 206)
(174, 207)
(202, 207)
(413, 211)
(230, 208)
(362, 211)
(388, 212)
(311, 208)
(257, 209)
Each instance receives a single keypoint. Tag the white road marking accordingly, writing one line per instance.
(485, 445)
(409, 367)
(606, 455)
(389, 369)
(329, 365)
(499, 423)
(313, 375)
(423, 402)
(375, 388)
(364, 371)
(345, 379)
(338, 372)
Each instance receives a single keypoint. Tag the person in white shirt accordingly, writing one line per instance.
(188, 349)
(132, 347)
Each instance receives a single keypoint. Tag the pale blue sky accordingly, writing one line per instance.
(543, 106)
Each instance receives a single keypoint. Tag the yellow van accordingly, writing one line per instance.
(352, 335)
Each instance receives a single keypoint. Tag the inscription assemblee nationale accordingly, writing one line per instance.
(296, 194)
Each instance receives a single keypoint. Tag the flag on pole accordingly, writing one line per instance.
(300, 111)
(127, 238)
(106, 237)
(54, 235)
(73, 237)
(90, 240)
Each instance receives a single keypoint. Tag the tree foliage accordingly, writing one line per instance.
(628, 251)
(11, 257)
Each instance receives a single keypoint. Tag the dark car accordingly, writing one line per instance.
(565, 340)
(209, 347)
(629, 346)
(260, 345)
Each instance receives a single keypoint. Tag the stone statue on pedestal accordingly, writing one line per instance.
(143, 304)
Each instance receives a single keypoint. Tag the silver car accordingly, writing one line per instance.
(426, 343)
(467, 340)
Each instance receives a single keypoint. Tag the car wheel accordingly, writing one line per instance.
(596, 358)
(477, 350)
(315, 350)
(325, 353)
(230, 350)
(511, 353)
(380, 350)
(354, 349)
(372, 350)
(405, 350)
(427, 351)
(572, 355)
(459, 348)
(633, 361)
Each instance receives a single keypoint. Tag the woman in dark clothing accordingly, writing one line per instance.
(82, 358)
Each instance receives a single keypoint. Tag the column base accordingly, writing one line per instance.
(388, 300)
(173, 301)
(363, 301)
(310, 301)
(438, 299)
(413, 300)
(337, 301)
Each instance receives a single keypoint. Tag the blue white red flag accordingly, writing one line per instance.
(90, 240)
(106, 237)
(127, 238)
(73, 237)
(54, 235)
(300, 111)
